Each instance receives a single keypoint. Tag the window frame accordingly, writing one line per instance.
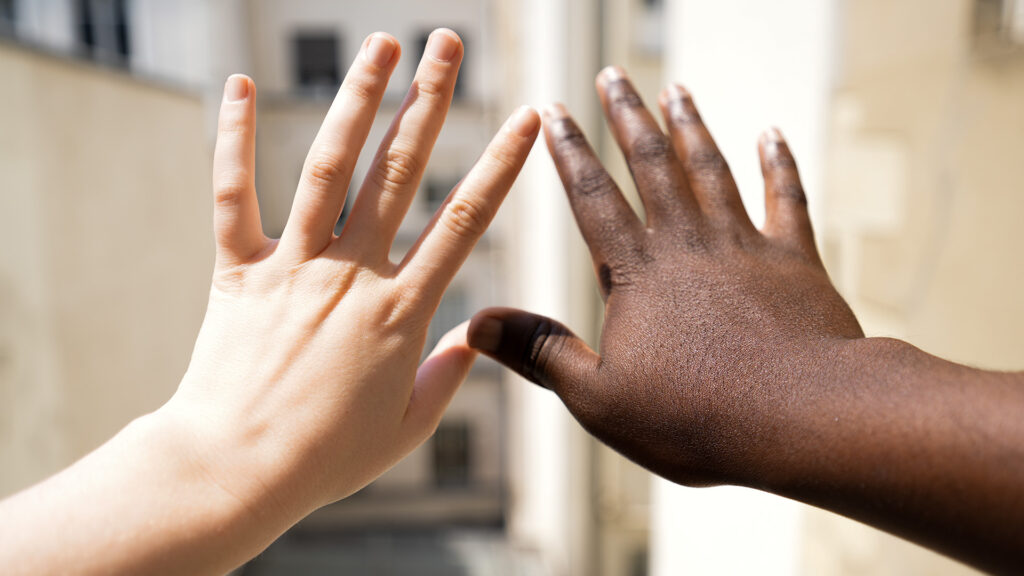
(304, 79)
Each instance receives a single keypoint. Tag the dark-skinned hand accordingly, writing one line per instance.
(727, 356)
(704, 315)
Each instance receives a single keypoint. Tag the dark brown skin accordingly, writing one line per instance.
(727, 356)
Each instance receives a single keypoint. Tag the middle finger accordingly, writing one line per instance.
(658, 175)
(398, 167)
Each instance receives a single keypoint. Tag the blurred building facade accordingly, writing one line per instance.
(904, 116)
(105, 247)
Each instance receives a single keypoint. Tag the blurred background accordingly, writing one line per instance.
(905, 115)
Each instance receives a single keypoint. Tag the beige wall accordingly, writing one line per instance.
(924, 207)
(105, 254)
(925, 183)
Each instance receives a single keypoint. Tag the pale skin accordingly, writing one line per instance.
(305, 382)
(727, 357)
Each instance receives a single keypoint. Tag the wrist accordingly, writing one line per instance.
(235, 496)
(847, 402)
(820, 398)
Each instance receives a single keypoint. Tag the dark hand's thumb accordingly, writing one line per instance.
(538, 348)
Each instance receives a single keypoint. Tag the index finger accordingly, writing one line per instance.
(607, 222)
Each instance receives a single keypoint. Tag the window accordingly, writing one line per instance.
(317, 55)
(7, 16)
(460, 82)
(103, 30)
(999, 23)
(437, 190)
(648, 28)
(452, 455)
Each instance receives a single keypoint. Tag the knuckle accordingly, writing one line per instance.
(231, 189)
(465, 218)
(541, 347)
(792, 192)
(325, 170)
(402, 312)
(782, 161)
(229, 195)
(232, 124)
(593, 182)
(362, 89)
(547, 346)
(650, 147)
(707, 162)
(502, 159)
(566, 134)
(622, 95)
(396, 169)
(622, 274)
(570, 143)
(433, 89)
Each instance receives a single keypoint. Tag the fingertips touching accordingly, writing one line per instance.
(524, 123)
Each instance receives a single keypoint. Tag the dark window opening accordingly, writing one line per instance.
(452, 455)
(999, 25)
(437, 190)
(8, 15)
(317, 56)
(460, 81)
(103, 30)
(988, 17)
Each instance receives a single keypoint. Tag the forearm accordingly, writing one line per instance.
(139, 504)
(915, 445)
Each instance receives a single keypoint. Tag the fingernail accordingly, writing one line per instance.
(236, 88)
(771, 136)
(380, 50)
(611, 74)
(523, 121)
(485, 334)
(555, 110)
(677, 92)
(441, 45)
(680, 103)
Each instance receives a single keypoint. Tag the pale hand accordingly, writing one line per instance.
(305, 382)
